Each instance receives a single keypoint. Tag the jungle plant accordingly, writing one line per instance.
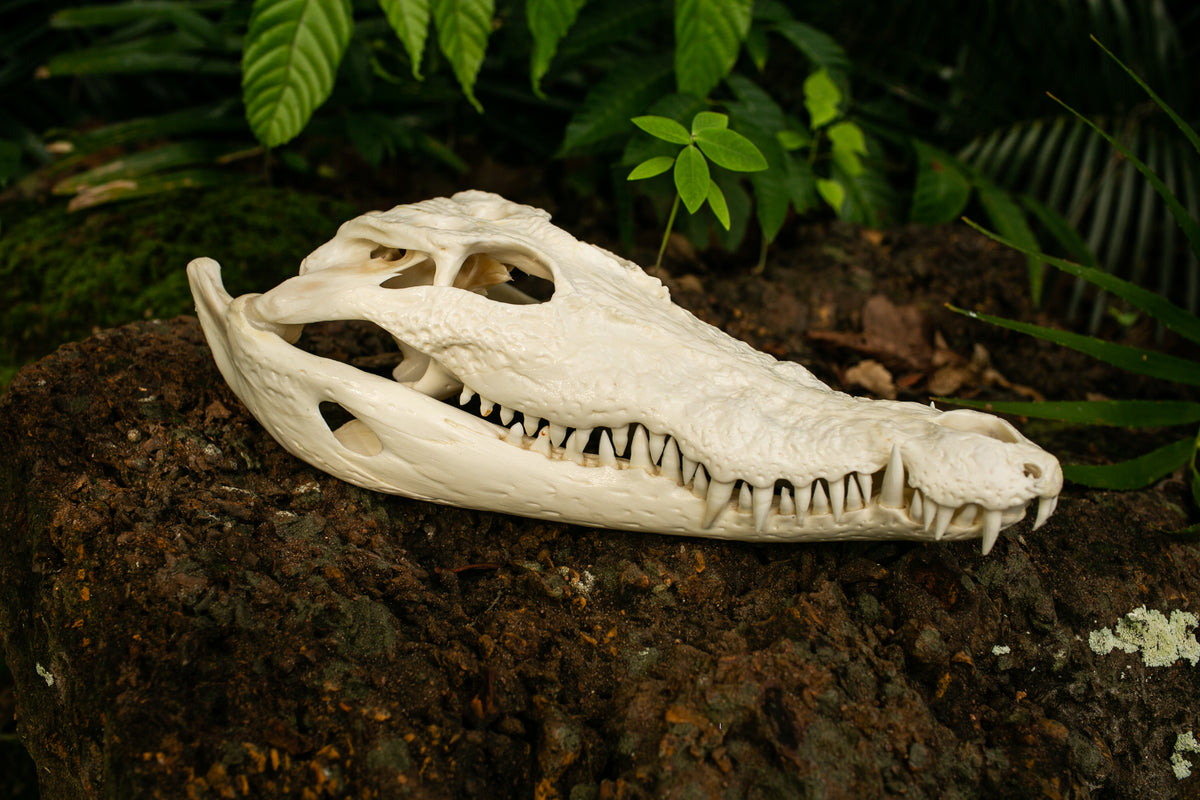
(709, 139)
(1140, 471)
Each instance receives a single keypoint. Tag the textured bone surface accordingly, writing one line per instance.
(604, 404)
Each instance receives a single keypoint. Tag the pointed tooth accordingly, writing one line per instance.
(854, 498)
(864, 485)
(991, 529)
(465, 396)
(700, 483)
(620, 438)
(967, 514)
(803, 501)
(915, 509)
(786, 507)
(717, 499)
(657, 442)
(688, 467)
(744, 496)
(639, 455)
(670, 462)
(820, 504)
(931, 510)
(891, 494)
(607, 457)
(516, 432)
(485, 406)
(557, 434)
(942, 522)
(531, 424)
(541, 444)
(761, 505)
(1046, 506)
(506, 415)
(837, 497)
(575, 445)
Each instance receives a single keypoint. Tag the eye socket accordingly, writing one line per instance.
(974, 422)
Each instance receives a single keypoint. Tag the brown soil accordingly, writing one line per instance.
(221, 620)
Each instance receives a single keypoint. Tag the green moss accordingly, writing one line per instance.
(65, 275)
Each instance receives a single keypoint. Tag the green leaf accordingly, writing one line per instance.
(1136, 472)
(709, 119)
(1117, 413)
(175, 52)
(1062, 231)
(463, 27)
(817, 46)
(1131, 359)
(663, 128)
(410, 20)
(731, 150)
(832, 193)
(1006, 215)
(708, 36)
(625, 92)
(716, 201)
(821, 99)
(651, 167)
(691, 178)
(145, 162)
(848, 143)
(941, 190)
(293, 48)
(183, 16)
(1170, 315)
(793, 139)
(549, 21)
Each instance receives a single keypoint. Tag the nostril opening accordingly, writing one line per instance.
(1032, 471)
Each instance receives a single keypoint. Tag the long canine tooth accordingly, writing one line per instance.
(485, 406)
(465, 397)
(1046, 506)
(531, 424)
(506, 415)
(820, 505)
(761, 504)
(786, 506)
(837, 497)
(689, 469)
(657, 442)
(891, 494)
(915, 509)
(620, 438)
(854, 498)
(608, 458)
(991, 529)
(670, 462)
(745, 497)
(557, 433)
(639, 456)
(719, 493)
(575, 444)
(931, 510)
(803, 500)
(942, 523)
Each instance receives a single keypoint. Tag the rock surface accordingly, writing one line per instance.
(188, 611)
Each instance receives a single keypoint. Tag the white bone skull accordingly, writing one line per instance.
(606, 405)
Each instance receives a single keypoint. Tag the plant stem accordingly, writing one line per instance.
(667, 233)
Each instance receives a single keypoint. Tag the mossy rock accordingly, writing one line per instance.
(66, 274)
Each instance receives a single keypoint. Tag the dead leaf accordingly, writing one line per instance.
(872, 376)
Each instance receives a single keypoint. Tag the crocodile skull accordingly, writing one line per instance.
(606, 405)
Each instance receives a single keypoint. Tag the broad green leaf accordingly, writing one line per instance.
(794, 139)
(625, 92)
(708, 37)
(1136, 472)
(848, 143)
(771, 195)
(757, 47)
(832, 192)
(651, 167)
(1117, 413)
(463, 27)
(1007, 217)
(716, 201)
(755, 104)
(731, 150)
(410, 20)
(821, 99)
(1130, 359)
(549, 21)
(941, 191)
(817, 46)
(709, 119)
(663, 128)
(293, 48)
(691, 178)
(1170, 315)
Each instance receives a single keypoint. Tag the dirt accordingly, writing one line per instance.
(188, 611)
